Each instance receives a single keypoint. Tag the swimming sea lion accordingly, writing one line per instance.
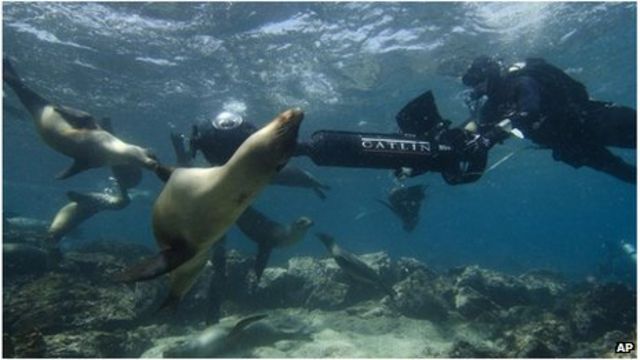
(85, 205)
(405, 202)
(212, 342)
(81, 207)
(198, 205)
(353, 266)
(269, 234)
(75, 133)
(292, 175)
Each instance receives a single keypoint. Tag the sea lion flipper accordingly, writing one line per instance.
(163, 172)
(319, 192)
(106, 125)
(262, 259)
(77, 118)
(76, 167)
(243, 323)
(153, 267)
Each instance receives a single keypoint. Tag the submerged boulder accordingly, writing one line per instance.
(419, 296)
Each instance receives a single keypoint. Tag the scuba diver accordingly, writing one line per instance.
(425, 143)
(554, 111)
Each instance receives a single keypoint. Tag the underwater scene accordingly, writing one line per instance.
(319, 179)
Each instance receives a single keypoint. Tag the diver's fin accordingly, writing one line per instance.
(420, 115)
(262, 259)
(77, 118)
(76, 167)
(153, 267)
(243, 323)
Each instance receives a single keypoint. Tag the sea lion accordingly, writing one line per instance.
(198, 205)
(405, 202)
(213, 341)
(290, 175)
(293, 176)
(269, 234)
(353, 266)
(81, 207)
(75, 133)
(20, 258)
(85, 205)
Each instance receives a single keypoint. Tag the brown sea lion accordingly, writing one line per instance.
(269, 234)
(75, 133)
(198, 205)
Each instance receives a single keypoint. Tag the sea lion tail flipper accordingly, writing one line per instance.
(262, 259)
(153, 267)
(76, 167)
(9, 74)
(243, 323)
(32, 101)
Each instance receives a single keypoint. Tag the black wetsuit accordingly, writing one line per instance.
(554, 110)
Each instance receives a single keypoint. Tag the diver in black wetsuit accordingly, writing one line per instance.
(553, 110)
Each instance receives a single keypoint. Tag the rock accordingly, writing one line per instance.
(418, 296)
(501, 289)
(600, 309)
(467, 350)
(604, 346)
(543, 287)
(548, 336)
(129, 252)
(60, 302)
(407, 266)
(30, 344)
(7, 346)
(470, 303)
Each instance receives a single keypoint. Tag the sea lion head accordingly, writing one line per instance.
(273, 145)
(302, 223)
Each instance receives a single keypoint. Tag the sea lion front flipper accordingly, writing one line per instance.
(319, 192)
(262, 259)
(77, 118)
(243, 323)
(153, 267)
(77, 166)
(163, 172)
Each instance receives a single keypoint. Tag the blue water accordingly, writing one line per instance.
(152, 67)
